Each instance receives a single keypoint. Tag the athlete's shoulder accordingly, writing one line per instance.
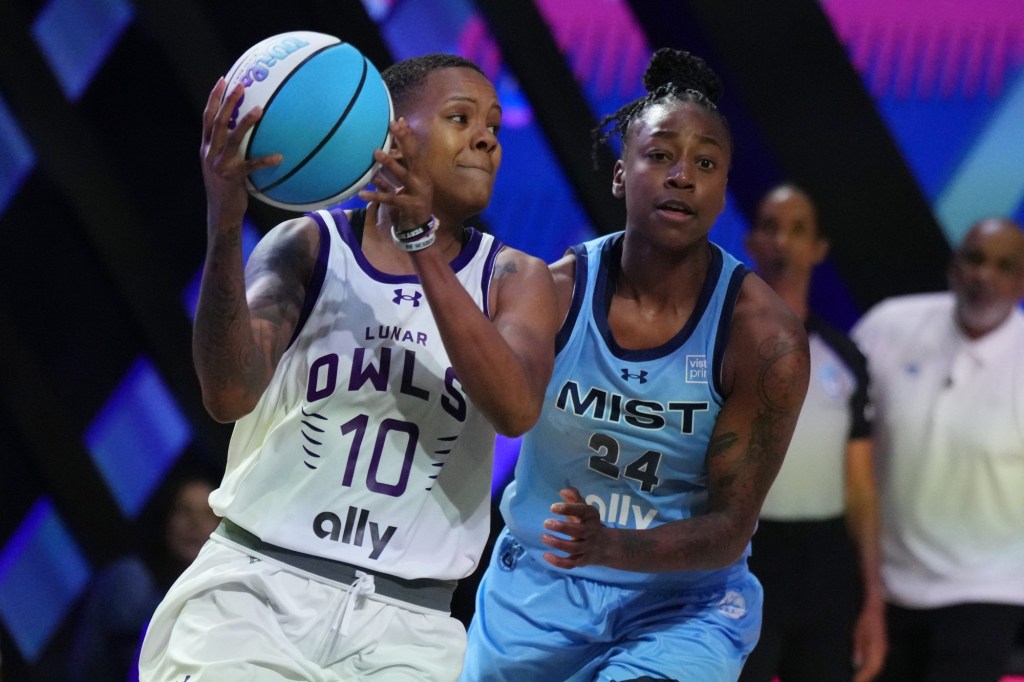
(593, 253)
(513, 262)
(563, 273)
(293, 228)
(730, 261)
(758, 305)
(522, 285)
(289, 249)
(765, 334)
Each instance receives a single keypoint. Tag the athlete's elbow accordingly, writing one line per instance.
(513, 428)
(734, 553)
(737, 542)
(515, 423)
(224, 408)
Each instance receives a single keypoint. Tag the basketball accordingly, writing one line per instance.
(325, 109)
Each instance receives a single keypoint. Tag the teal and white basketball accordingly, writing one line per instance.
(325, 109)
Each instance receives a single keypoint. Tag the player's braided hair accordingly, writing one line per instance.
(670, 73)
(405, 78)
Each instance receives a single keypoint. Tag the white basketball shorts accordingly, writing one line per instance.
(234, 617)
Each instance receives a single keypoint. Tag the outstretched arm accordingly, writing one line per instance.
(244, 317)
(765, 379)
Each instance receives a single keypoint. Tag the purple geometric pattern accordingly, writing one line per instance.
(921, 49)
(604, 46)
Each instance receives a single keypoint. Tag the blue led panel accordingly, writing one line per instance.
(584, 30)
(76, 36)
(42, 572)
(16, 157)
(136, 437)
(948, 79)
(190, 296)
(990, 179)
(506, 454)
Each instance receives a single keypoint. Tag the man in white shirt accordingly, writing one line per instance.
(947, 380)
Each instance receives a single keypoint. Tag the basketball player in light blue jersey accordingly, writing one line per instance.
(678, 379)
(367, 359)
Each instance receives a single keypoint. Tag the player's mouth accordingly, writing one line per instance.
(676, 207)
(474, 167)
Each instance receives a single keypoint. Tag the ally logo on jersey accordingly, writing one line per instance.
(621, 510)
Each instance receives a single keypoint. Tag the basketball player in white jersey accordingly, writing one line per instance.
(367, 359)
(678, 379)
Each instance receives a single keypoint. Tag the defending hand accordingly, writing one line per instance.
(588, 537)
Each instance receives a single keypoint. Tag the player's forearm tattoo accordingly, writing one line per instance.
(777, 387)
(279, 304)
(223, 297)
(225, 348)
(721, 443)
(775, 383)
(770, 427)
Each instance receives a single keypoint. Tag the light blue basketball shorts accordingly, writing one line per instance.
(533, 623)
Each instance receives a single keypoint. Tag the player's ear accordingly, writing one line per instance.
(396, 146)
(618, 182)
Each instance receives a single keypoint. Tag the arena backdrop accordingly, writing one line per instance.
(902, 117)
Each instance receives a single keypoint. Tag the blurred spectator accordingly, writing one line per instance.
(816, 547)
(947, 383)
(123, 596)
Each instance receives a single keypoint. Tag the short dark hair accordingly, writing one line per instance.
(405, 78)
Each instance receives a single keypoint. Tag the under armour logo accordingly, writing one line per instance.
(415, 298)
(642, 376)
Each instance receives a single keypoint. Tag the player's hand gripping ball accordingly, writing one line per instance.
(325, 109)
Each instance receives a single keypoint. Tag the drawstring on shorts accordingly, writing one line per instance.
(362, 586)
(342, 625)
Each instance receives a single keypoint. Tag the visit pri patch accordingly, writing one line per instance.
(696, 369)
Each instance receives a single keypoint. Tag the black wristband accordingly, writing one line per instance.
(416, 239)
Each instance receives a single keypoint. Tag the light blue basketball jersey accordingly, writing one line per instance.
(628, 428)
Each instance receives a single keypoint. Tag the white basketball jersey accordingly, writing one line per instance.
(364, 447)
